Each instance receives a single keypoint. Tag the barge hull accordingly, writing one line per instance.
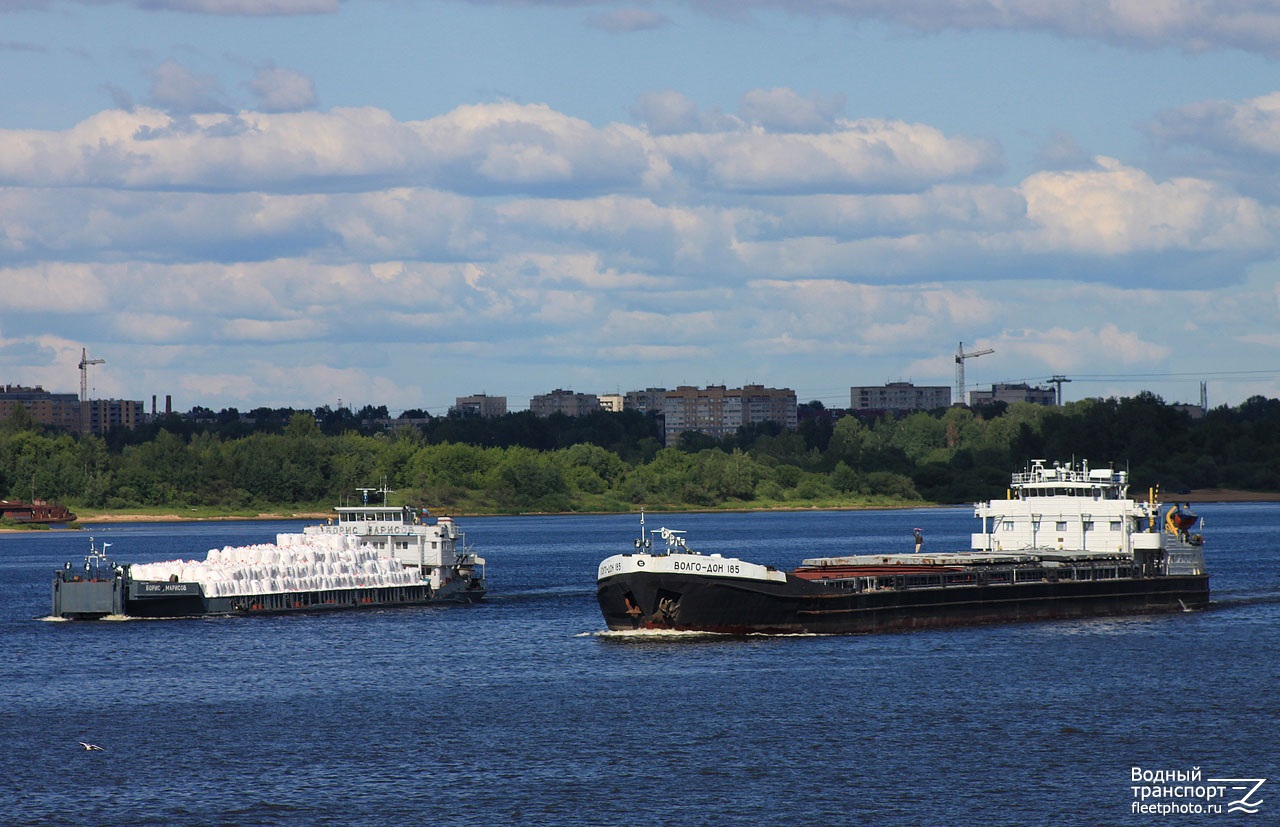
(95, 599)
(715, 604)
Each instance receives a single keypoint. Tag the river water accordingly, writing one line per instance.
(523, 710)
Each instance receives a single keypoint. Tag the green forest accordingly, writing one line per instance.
(275, 460)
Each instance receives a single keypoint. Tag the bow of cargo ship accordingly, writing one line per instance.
(682, 590)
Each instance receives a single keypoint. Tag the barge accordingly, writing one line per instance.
(368, 556)
(1067, 542)
(37, 512)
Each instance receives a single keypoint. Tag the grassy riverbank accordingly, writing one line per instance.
(316, 512)
(88, 517)
(289, 467)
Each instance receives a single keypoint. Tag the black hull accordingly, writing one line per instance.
(726, 605)
(93, 600)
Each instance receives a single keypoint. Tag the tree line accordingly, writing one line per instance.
(270, 459)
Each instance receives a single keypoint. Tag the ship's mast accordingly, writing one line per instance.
(642, 542)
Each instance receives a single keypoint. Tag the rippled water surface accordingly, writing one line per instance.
(522, 710)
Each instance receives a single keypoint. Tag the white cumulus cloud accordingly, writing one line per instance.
(517, 234)
(282, 90)
(1249, 25)
(1116, 209)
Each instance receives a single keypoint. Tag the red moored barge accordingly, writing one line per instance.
(36, 511)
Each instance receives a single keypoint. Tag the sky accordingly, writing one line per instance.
(297, 203)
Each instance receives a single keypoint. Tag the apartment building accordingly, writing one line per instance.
(61, 410)
(1011, 393)
(715, 410)
(480, 405)
(566, 402)
(899, 397)
(66, 411)
(105, 414)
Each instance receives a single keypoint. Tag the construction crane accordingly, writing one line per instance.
(85, 362)
(1058, 379)
(960, 357)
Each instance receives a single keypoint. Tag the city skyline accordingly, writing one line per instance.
(295, 202)
(878, 399)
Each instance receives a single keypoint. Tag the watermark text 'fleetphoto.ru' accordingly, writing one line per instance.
(1187, 792)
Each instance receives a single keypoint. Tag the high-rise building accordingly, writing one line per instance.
(715, 410)
(61, 410)
(480, 405)
(648, 400)
(105, 414)
(1010, 393)
(66, 411)
(899, 397)
(565, 402)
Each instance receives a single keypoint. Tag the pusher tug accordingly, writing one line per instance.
(372, 556)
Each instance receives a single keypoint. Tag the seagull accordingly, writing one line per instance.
(89, 746)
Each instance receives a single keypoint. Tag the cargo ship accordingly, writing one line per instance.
(36, 511)
(1067, 542)
(369, 556)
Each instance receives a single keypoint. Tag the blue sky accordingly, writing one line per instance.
(296, 202)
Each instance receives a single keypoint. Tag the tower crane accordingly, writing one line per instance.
(960, 357)
(85, 362)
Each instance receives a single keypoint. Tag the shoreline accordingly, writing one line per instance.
(1206, 495)
(1224, 495)
(102, 519)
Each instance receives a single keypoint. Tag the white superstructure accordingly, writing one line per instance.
(1063, 512)
(367, 547)
(1083, 510)
(431, 549)
(1071, 508)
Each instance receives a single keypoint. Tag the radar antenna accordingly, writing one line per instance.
(382, 489)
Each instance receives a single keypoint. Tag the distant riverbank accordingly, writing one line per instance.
(91, 520)
(1224, 495)
(1206, 495)
(122, 517)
